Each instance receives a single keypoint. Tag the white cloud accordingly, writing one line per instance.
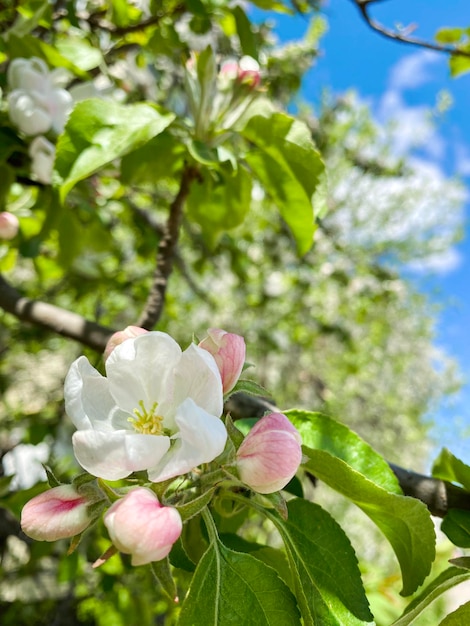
(462, 159)
(414, 70)
(413, 126)
(443, 263)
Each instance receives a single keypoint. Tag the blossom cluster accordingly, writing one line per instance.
(158, 410)
(38, 105)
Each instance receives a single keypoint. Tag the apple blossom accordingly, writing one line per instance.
(9, 225)
(245, 71)
(270, 454)
(139, 525)
(228, 351)
(42, 153)
(36, 104)
(117, 338)
(157, 409)
(58, 513)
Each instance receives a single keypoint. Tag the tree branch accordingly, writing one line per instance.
(363, 6)
(438, 495)
(53, 318)
(166, 253)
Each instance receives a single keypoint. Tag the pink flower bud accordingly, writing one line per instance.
(270, 454)
(128, 333)
(9, 225)
(56, 514)
(249, 73)
(139, 525)
(228, 351)
(246, 72)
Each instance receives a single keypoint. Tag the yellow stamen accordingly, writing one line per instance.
(147, 422)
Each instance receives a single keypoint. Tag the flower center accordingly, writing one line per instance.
(147, 422)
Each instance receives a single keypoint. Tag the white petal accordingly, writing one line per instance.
(116, 455)
(201, 439)
(198, 377)
(87, 399)
(142, 369)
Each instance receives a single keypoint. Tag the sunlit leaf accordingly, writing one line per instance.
(99, 131)
(449, 467)
(355, 471)
(231, 588)
(327, 580)
(284, 159)
(446, 580)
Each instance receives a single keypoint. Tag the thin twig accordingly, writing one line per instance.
(53, 318)
(166, 253)
(363, 6)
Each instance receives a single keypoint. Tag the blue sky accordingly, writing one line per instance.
(401, 80)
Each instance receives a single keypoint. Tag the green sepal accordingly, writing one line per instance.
(162, 572)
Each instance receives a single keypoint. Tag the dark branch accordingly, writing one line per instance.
(95, 19)
(403, 37)
(53, 318)
(438, 495)
(166, 253)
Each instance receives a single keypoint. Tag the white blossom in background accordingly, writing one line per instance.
(158, 409)
(25, 463)
(36, 103)
(42, 153)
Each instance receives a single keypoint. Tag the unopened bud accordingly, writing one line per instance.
(228, 351)
(128, 333)
(139, 525)
(58, 513)
(270, 454)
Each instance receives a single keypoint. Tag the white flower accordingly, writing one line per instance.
(158, 409)
(42, 153)
(36, 104)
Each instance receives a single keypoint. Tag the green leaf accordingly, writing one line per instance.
(29, 46)
(179, 557)
(245, 33)
(99, 131)
(161, 570)
(459, 617)
(231, 588)
(459, 64)
(191, 509)
(285, 161)
(250, 387)
(24, 24)
(449, 467)
(320, 432)
(159, 158)
(274, 557)
(327, 580)
(461, 561)
(446, 580)
(449, 35)
(78, 50)
(343, 461)
(219, 205)
(456, 525)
